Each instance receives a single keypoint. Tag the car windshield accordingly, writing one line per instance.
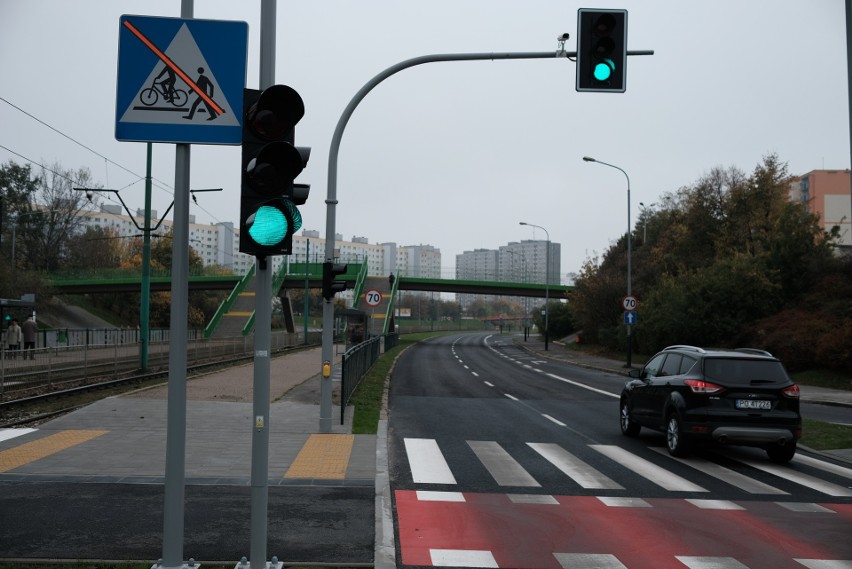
(740, 371)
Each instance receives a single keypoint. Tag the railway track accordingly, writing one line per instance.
(33, 401)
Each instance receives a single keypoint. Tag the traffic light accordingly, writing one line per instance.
(330, 287)
(270, 162)
(602, 50)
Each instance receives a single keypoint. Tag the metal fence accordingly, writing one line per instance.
(119, 356)
(356, 363)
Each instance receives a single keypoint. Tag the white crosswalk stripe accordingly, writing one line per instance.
(428, 466)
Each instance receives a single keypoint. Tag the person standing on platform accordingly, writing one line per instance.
(13, 339)
(29, 328)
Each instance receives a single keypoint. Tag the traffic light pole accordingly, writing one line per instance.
(331, 199)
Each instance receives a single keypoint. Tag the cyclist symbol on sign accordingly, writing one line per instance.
(164, 87)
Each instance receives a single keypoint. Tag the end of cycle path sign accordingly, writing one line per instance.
(180, 80)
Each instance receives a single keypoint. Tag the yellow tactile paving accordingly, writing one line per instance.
(30, 452)
(323, 456)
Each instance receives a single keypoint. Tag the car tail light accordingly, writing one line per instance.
(792, 391)
(705, 387)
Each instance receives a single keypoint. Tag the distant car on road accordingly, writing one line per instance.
(741, 397)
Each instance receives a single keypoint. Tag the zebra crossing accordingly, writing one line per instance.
(428, 465)
(442, 525)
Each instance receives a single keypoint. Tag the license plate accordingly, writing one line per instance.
(754, 404)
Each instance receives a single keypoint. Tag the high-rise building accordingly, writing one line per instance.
(827, 193)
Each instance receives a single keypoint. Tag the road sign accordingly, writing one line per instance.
(180, 80)
(630, 318)
(373, 297)
(629, 303)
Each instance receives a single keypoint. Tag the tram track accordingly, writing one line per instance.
(58, 398)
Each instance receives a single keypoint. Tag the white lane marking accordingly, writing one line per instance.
(578, 384)
(588, 561)
(806, 480)
(826, 563)
(505, 470)
(427, 463)
(512, 397)
(808, 507)
(557, 421)
(659, 476)
(714, 504)
(533, 499)
(462, 558)
(616, 502)
(582, 473)
(433, 496)
(727, 475)
(822, 465)
(710, 562)
(7, 434)
(488, 383)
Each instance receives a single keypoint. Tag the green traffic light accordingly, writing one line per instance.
(268, 226)
(603, 70)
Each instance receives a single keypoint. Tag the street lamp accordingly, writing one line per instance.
(629, 254)
(546, 281)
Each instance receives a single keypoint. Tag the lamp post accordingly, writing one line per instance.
(546, 281)
(629, 254)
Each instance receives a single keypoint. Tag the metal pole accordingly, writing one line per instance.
(306, 303)
(145, 304)
(331, 198)
(849, 85)
(262, 337)
(629, 255)
(546, 283)
(173, 506)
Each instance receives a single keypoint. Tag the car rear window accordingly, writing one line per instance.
(740, 371)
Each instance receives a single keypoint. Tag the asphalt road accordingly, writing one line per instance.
(501, 459)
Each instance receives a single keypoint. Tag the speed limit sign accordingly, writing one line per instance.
(629, 303)
(373, 297)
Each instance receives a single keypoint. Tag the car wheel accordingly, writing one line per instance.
(675, 441)
(628, 427)
(781, 454)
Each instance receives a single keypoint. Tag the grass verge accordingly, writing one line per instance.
(368, 397)
(819, 435)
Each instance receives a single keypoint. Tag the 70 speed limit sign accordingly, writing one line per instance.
(629, 303)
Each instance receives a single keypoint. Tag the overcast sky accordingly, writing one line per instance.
(456, 154)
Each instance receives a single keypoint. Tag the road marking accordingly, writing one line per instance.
(615, 502)
(806, 480)
(582, 473)
(7, 434)
(35, 450)
(578, 384)
(505, 470)
(659, 476)
(557, 421)
(710, 562)
(714, 504)
(588, 560)
(323, 456)
(825, 563)
(512, 397)
(822, 465)
(726, 475)
(462, 558)
(488, 383)
(432, 496)
(427, 464)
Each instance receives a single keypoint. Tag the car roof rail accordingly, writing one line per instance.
(686, 347)
(756, 351)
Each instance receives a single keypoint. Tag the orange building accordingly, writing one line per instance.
(829, 194)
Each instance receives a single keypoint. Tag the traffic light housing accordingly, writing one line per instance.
(270, 163)
(601, 50)
(330, 287)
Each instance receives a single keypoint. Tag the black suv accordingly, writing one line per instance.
(742, 397)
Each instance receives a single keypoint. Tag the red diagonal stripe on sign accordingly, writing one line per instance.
(165, 59)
